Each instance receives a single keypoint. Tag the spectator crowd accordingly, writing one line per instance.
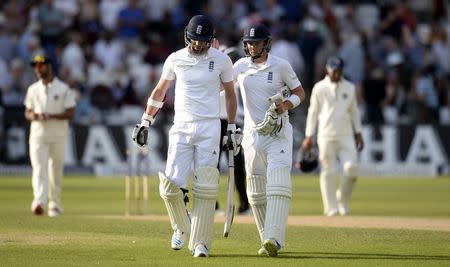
(111, 51)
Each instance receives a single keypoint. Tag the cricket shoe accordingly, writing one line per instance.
(200, 251)
(178, 239)
(54, 212)
(343, 209)
(271, 246)
(262, 251)
(37, 209)
(332, 213)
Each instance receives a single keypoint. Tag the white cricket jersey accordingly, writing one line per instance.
(333, 107)
(258, 82)
(198, 79)
(53, 98)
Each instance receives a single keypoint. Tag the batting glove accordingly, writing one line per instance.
(233, 139)
(140, 132)
(272, 123)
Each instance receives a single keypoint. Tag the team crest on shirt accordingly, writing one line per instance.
(344, 95)
(211, 66)
(270, 77)
(55, 97)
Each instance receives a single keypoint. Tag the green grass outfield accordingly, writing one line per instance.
(94, 232)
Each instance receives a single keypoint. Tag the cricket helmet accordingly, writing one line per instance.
(309, 160)
(199, 28)
(254, 33)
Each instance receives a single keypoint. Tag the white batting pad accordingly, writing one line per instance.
(256, 193)
(173, 198)
(205, 189)
(279, 193)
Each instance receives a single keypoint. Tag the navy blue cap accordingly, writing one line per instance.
(335, 63)
(40, 58)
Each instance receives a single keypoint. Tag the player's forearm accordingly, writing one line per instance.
(297, 96)
(313, 114)
(355, 117)
(230, 101)
(152, 109)
(68, 114)
(231, 105)
(311, 125)
(300, 92)
(156, 99)
(311, 121)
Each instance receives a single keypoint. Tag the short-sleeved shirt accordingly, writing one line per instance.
(198, 79)
(53, 98)
(258, 82)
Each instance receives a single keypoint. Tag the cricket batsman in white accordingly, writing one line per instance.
(334, 111)
(194, 138)
(269, 88)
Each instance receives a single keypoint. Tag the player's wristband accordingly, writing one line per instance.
(147, 120)
(294, 99)
(154, 103)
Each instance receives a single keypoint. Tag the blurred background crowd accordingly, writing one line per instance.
(111, 51)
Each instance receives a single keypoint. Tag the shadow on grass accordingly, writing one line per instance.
(358, 256)
(246, 256)
(341, 255)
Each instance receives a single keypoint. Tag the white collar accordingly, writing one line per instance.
(205, 56)
(41, 82)
(264, 65)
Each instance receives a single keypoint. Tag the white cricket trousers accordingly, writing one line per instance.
(330, 150)
(264, 153)
(47, 161)
(192, 145)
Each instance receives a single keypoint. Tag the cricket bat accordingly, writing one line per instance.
(229, 213)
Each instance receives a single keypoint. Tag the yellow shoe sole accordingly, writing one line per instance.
(271, 248)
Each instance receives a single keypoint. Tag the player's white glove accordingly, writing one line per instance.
(233, 139)
(140, 132)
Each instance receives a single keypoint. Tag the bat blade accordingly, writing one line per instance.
(229, 213)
